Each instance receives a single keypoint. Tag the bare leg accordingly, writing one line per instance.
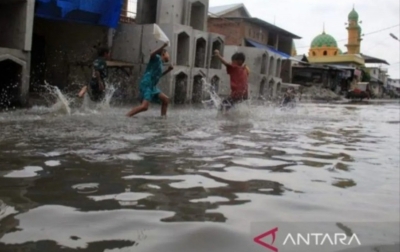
(82, 92)
(141, 108)
(164, 104)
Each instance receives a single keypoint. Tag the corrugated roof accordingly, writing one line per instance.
(217, 11)
(370, 59)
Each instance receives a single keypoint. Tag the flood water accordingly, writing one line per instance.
(98, 181)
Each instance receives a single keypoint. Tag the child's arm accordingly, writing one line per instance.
(168, 70)
(158, 51)
(223, 61)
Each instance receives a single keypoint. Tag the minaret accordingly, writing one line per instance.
(354, 33)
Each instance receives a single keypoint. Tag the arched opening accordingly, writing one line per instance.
(200, 57)
(264, 64)
(271, 84)
(149, 10)
(325, 53)
(183, 46)
(10, 82)
(262, 87)
(215, 84)
(271, 66)
(336, 53)
(314, 54)
(278, 88)
(197, 92)
(180, 88)
(197, 15)
(278, 68)
(215, 63)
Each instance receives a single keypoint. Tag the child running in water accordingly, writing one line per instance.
(238, 73)
(149, 92)
(96, 85)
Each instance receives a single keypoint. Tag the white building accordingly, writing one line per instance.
(378, 80)
(393, 84)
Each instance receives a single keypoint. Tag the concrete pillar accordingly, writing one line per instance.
(16, 22)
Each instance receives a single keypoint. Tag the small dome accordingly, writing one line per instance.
(353, 15)
(323, 40)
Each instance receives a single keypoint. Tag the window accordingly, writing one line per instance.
(325, 53)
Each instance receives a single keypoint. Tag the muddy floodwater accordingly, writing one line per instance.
(94, 180)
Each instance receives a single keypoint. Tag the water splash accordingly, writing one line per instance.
(241, 109)
(63, 102)
(88, 104)
(210, 89)
(105, 103)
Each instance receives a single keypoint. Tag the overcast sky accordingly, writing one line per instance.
(306, 17)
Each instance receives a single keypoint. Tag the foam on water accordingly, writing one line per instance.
(27, 172)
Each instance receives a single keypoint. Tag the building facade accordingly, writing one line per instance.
(268, 48)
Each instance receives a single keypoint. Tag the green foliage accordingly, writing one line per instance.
(365, 77)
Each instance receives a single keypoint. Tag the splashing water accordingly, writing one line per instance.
(63, 102)
(215, 100)
(104, 104)
(241, 109)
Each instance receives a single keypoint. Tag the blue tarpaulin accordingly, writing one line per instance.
(95, 12)
(269, 48)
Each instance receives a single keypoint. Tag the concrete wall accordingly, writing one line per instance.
(14, 77)
(127, 43)
(16, 18)
(220, 81)
(196, 14)
(215, 42)
(16, 21)
(176, 85)
(68, 46)
(182, 12)
(180, 49)
(201, 52)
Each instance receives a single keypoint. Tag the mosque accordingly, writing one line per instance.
(324, 48)
(346, 69)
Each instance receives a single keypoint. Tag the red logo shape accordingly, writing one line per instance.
(268, 246)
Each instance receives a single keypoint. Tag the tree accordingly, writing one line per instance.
(365, 76)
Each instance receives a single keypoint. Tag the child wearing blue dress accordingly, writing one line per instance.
(149, 92)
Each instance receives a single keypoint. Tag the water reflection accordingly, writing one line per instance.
(96, 180)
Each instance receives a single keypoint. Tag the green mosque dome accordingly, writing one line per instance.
(323, 40)
(353, 15)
